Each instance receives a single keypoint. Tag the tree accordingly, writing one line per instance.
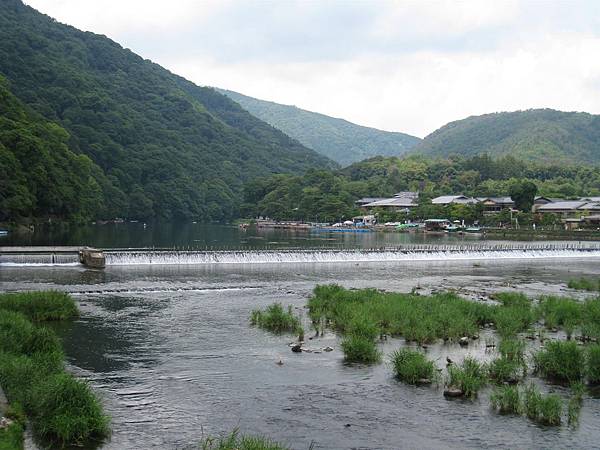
(523, 194)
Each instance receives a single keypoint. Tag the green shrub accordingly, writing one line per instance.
(363, 327)
(411, 366)
(66, 412)
(561, 361)
(235, 441)
(360, 349)
(276, 319)
(592, 366)
(506, 399)
(41, 306)
(575, 403)
(469, 377)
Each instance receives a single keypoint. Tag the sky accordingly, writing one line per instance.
(409, 66)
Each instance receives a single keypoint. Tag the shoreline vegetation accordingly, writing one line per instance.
(62, 410)
(520, 327)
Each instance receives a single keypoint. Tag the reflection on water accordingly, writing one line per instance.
(171, 352)
(196, 235)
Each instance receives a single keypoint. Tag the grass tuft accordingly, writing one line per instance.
(506, 399)
(359, 349)
(66, 412)
(543, 409)
(277, 320)
(584, 284)
(411, 366)
(561, 361)
(469, 377)
(236, 441)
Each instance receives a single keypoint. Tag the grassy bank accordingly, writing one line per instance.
(63, 410)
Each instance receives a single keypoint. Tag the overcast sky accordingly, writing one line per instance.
(408, 66)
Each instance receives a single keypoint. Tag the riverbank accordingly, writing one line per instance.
(62, 410)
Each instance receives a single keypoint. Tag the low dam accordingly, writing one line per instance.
(52, 255)
(96, 258)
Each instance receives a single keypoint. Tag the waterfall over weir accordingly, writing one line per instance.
(406, 253)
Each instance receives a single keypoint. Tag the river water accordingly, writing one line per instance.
(170, 351)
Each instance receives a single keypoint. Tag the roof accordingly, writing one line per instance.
(369, 199)
(590, 205)
(557, 206)
(445, 199)
(504, 200)
(407, 194)
(437, 220)
(399, 202)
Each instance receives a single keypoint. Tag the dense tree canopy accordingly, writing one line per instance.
(330, 195)
(39, 175)
(166, 147)
(543, 135)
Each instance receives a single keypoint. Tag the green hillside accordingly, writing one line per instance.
(167, 148)
(39, 175)
(338, 139)
(543, 135)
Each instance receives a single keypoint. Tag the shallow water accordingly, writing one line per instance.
(170, 351)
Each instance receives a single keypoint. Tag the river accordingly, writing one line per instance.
(170, 351)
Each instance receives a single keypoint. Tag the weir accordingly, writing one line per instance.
(24, 256)
(52, 255)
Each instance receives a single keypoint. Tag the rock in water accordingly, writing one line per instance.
(297, 348)
(453, 392)
(328, 349)
(464, 341)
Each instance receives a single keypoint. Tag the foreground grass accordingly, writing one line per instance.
(40, 306)
(236, 441)
(277, 320)
(62, 409)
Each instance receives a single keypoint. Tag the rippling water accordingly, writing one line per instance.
(170, 351)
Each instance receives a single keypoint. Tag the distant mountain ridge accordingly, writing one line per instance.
(338, 139)
(165, 147)
(542, 135)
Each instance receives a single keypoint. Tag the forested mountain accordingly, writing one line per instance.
(329, 195)
(164, 146)
(39, 175)
(338, 139)
(536, 135)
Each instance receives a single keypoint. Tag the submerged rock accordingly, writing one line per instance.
(328, 349)
(422, 381)
(297, 348)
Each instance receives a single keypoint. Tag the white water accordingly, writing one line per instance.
(39, 260)
(316, 256)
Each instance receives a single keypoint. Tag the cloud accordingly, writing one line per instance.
(407, 66)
